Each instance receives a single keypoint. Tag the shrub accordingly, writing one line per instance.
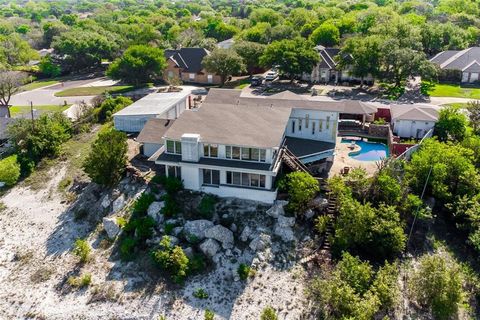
(200, 294)
(122, 222)
(171, 184)
(82, 250)
(321, 224)
(171, 259)
(143, 202)
(268, 313)
(244, 271)
(80, 282)
(9, 170)
(127, 248)
(197, 264)
(111, 105)
(301, 188)
(171, 207)
(209, 315)
(168, 228)
(206, 207)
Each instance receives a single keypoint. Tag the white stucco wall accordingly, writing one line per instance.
(409, 128)
(327, 133)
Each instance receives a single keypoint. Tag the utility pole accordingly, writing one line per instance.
(31, 113)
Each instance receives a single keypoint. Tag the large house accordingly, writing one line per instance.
(328, 71)
(459, 65)
(185, 64)
(413, 120)
(234, 145)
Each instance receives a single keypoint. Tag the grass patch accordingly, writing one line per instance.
(17, 110)
(38, 84)
(94, 91)
(454, 90)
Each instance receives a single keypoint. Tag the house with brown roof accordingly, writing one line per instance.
(459, 65)
(413, 120)
(235, 145)
(186, 65)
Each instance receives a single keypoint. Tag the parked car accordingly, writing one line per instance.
(271, 75)
(256, 81)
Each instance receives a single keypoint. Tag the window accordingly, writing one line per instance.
(263, 155)
(210, 150)
(320, 125)
(328, 123)
(299, 124)
(246, 179)
(174, 147)
(307, 119)
(211, 177)
(293, 126)
(210, 78)
(174, 171)
(248, 154)
(191, 76)
(313, 127)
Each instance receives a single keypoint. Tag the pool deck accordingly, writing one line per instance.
(342, 159)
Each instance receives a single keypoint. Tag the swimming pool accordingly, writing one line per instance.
(369, 151)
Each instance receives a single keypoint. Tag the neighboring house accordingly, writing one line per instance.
(226, 44)
(235, 145)
(164, 105)
(459, 65)
(413, 120)
(186, 65)
(151, 135)
(327, 70)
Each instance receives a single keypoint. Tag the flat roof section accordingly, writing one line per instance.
(306, 147)
(153, 104)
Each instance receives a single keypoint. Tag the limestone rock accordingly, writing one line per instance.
(111, 226)
(285, 222)
(246, 233)
(285, 233)
(277, 209)
(209, 247)
(233, 227)
(119, 203)
(154, 211)
(106, 201)
(221, 234)
(195, 230)
(188, 252)
(260, 243)
(177, 231)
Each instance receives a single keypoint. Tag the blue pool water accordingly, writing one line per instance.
(370, 151)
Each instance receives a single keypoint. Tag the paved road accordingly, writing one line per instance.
(448, 100)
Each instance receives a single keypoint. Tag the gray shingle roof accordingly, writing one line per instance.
(154, 130)
(414, 112)
(189, 59)
(457, 60)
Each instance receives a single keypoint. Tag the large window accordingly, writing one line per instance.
(174, 147)
(211, 177)
(249, 154)
(246, 179)
(210, 150)
(174, 171)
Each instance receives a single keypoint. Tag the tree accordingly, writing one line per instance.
(111, 105)
(48, 67)
(327, 34)
(138, 64)
(437, 285)
(52, 29)
(293, 57)
(265, 15)
(451, 124)
(16, 51)
(107, 159)
(301, 188)
(10, 82)
(250, 53)
(9, 170)
(473, 108)
(171, 259)
(224, 62)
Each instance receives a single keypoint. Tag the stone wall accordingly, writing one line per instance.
(378, 130)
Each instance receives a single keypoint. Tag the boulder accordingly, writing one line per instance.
(233, 227)
(118, 204)
(221, 234)
(106, 201)
(285, 233)
(209, 247)
(111, 226)
(276, 210)
(285, 222)
(195, 230)
(177, 231)
(260, 243)
(154, 211)
(189, 252)
(309, 214)
(246, 233)
(174, 240)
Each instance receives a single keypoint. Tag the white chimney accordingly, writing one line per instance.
(190, 148)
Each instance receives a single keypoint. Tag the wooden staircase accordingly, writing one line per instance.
(292, 161)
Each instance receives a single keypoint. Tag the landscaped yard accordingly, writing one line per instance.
(94, 91)
(38, 84)
(16, 110)
(452, 90)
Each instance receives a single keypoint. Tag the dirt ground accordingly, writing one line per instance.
(37, 232)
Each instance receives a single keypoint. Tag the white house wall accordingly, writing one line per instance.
(317, 117)
(267, 196)
(150, 148)
(409, 128)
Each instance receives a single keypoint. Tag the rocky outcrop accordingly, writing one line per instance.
(194, 231)
(118, 203)
(221, 234)
(111, 227)
(209, 247)
(260, 243)
(277, 209)
(154, 211)
(283, 228)
(246, 234)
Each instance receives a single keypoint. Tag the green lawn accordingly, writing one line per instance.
(452, 90)
(16, 110)
(38, 84)
(93, 91)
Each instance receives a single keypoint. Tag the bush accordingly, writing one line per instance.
(301, 188)
(110, 106)
(9, 170)
(244, 271)
(168, 228)
(141, 204)
(48, 68)
(171, 207)
(80, 282)
(206, 207)
(268, 313)
(200, 294)
(82, 250)
(197, 264)
(171, 259)
(171, 184)
(209, 315)
(127, 248)
(321, 224)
